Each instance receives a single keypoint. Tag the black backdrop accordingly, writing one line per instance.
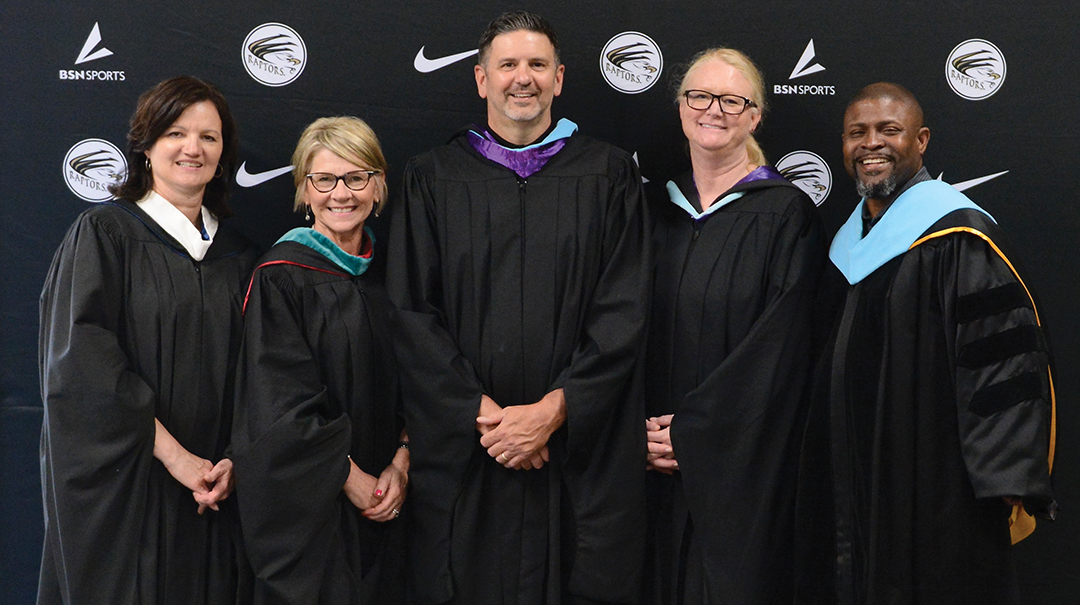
(61, 86)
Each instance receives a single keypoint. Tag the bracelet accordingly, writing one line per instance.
(403, 445)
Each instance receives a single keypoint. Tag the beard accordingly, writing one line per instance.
(880, 190)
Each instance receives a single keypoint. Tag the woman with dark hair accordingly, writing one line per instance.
(140, 323)
(739, 256)
(318, 442)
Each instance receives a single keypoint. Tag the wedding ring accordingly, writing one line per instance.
(502, 458)
(396, 513)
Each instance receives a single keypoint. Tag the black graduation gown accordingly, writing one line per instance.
(516, 287)
(316, 383)
(132, 329)
(935, 396)
(730, 355)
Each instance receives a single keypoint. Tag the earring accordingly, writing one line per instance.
(377, 206)
(148, 165)
(220, 171)
(307, 215)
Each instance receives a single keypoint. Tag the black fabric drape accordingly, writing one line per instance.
(924, 443)
(514, 288)
(316, 383)
(133, 329)
(730, 356)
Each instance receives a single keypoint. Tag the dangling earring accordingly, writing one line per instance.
(220, 171)
(307, 215)
(377, 208)
(148, 165)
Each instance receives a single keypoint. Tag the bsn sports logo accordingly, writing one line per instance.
(803, 67)
(807, 171)
(274, 54)
(87, 54)
(975, 69)
(90, 166)
(631, 62)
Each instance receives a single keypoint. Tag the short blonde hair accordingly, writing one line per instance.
(348, 137)
(746, 67)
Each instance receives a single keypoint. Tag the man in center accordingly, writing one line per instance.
(520, 269)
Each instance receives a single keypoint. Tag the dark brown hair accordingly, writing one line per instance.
(512, 22)
(157, 110)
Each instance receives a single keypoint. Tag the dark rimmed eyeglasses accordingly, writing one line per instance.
(729, 104)
(324, 182)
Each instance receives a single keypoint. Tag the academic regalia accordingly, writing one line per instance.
(515, 286)
(936, 398)
(133, 329)
(316, 384)
(729, 355)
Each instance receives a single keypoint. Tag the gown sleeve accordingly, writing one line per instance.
(433, 369)
(97, 439)
(1004, 390)
(290, 452)
(596, 381)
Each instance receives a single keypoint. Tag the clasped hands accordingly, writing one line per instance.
(379, 498)
(209, 483)
(516, 436)
(661, 456)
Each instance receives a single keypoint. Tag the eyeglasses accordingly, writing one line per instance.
(729, 104)
(324, 182)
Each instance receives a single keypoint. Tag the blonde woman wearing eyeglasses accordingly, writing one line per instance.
(739, 254)
(317, 438)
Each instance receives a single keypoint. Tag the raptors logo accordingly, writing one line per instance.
(274, 54)
(631, 62)
(808, 172)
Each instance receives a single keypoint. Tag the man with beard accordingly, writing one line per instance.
(934, 392)
(521, 273)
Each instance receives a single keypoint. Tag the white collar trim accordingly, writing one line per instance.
(169, 218)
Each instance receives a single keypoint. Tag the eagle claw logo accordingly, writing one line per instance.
(975, 69)
(631, 62)
(807, 171)
(274, 54)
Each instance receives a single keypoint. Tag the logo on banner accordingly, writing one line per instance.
(92, 51)
(425, 66)
(248, 179)
(964, 185)
(631, 62)
(804, 67)
(91, 166)
(807, 171)
(975, 69)
(274, 54)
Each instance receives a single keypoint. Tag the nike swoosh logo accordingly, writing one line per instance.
(425, 65)
(979, 181)
(246, 179)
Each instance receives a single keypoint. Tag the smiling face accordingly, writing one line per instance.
(519, 80)
(884, 141)
(340, 213)
(184, 159)
(710, 130)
